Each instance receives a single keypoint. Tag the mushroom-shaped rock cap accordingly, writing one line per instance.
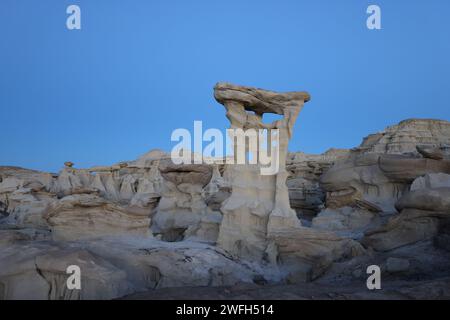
(258, 100)
(69, 164)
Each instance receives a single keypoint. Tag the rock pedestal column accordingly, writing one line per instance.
(259, 204)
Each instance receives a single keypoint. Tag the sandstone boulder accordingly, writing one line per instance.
(89, 216)
(431, 181)
(304, 254)
(406, 228)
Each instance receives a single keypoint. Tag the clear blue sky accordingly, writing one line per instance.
(139, 69)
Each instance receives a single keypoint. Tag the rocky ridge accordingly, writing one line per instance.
(149, 224)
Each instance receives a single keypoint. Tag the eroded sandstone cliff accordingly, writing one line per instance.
(150, 224)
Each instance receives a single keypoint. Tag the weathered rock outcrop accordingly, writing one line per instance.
(306, 195)
(112, 268)
(396, 183)
(404, 137)
(258, 203)
(25, 196)
(376, 180)
(304, 254)
(423, 212)
(182, 210)
(150, 224)
(258, 223)
(87, 215)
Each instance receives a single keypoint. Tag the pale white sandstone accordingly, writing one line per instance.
(10, 184)
(306, 195)
(258, 222)
(379, 180)
(405, 136)
(432, 180)
(258, 204)
(389, 195)
(182, 211)
(127, 187)
(303, 254)
(113, 267)
(349, 219)
(146, 160)
(89, 216)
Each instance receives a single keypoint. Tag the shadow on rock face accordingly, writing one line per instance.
(424, 214)
(376, 179)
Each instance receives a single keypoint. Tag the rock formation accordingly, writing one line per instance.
(258, 222)
(182, 210)
(82, 216)
(258, 203)
(149, 224)
(391, 192)
(405, 137)
(423, 211)
(306, 195)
